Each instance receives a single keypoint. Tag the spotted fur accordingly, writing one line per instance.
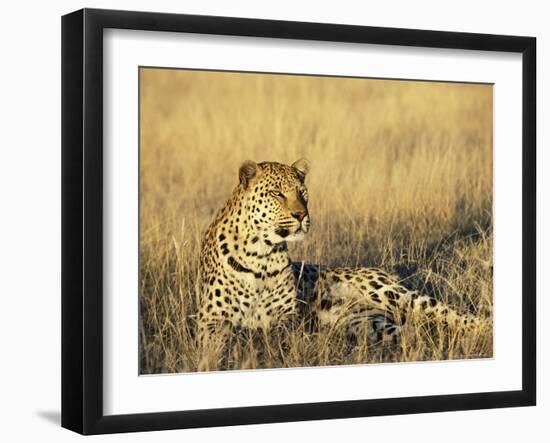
(246, 273)
(247, 278)
(371, 301)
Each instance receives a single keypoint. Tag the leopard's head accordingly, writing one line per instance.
(276, 199)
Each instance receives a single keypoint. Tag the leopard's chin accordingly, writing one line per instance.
(295, 232)
(299, 235)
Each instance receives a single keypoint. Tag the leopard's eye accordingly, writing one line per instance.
(278, 194)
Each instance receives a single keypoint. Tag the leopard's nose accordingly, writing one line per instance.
(299, 215)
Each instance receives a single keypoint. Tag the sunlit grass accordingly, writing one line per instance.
(401, 179)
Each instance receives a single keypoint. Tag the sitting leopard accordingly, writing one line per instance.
(247, 278)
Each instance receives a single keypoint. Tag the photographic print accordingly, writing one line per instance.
(300, 221)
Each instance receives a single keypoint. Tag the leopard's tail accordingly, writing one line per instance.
(415, 305)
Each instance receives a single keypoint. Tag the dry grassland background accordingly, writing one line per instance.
(401, 178)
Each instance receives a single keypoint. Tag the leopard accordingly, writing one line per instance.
(248, 279)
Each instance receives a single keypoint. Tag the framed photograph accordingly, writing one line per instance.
(269, 221)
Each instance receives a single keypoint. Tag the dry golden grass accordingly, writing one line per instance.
(401, 179)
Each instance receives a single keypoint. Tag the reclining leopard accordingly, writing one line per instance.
(247, 278)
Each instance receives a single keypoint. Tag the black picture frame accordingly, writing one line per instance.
(82, 220)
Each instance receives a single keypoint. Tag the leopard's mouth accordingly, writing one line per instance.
(305, 224)
(294, 233)
(282, 232)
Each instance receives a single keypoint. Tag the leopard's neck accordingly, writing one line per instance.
(242, 246)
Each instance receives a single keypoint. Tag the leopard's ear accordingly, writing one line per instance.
(302, 165)
(247, 172)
